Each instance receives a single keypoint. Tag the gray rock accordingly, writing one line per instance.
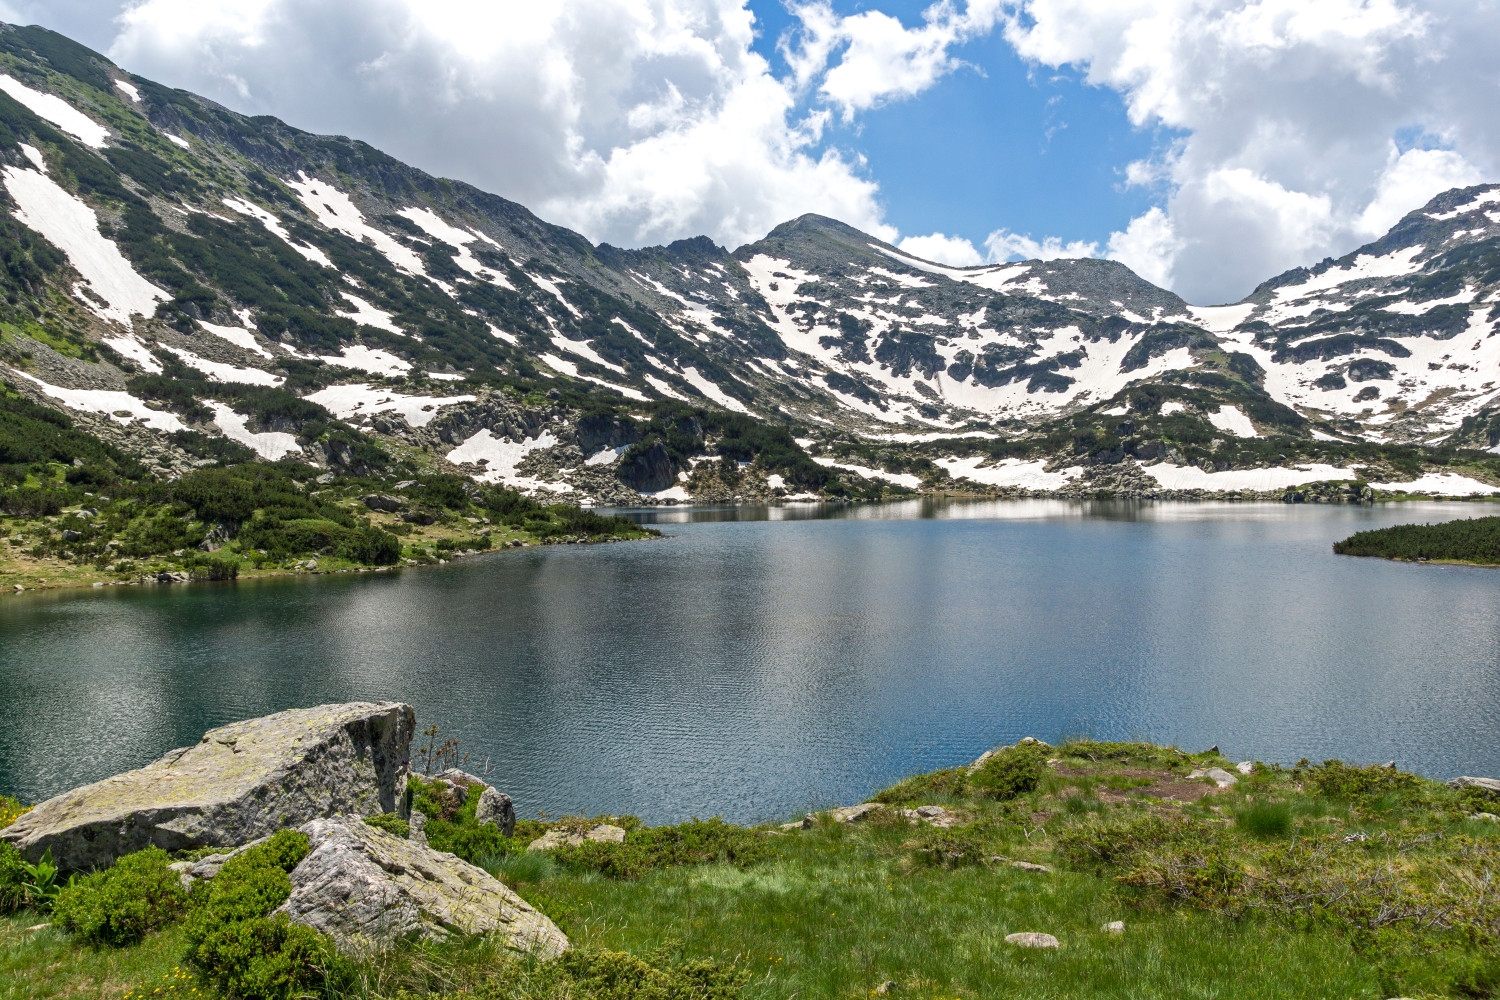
(1114, 927)
(1487, 816)
(242, 781)
(843, 814)
(207, 868)
(1032, 939)
(887, 987)
(553, 839)
(416, 827)
(366, 888)
(1245, 767)
(933, 816)
(1491, 785)
(1217, 775)
(1028, 866)
(384, 503)
(496, 809)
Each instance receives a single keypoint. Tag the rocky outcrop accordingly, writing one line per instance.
(1217, 775)
(606, 833)
(1490, 785)
(495, 809)
(242, 781)
(648, 470)
(366, 888)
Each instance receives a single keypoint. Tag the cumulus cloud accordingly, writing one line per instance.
(952, 250)
(1288, 112)
(1005, 245)
(877, 57)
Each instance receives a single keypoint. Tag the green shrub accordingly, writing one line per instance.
(12, 879)
(390, 823)
(1362, 785)
(922, 789)
(693, 843)
(613, 975)
(1011, 772)
(234, 942)
(263, 958)
(469, 840)
(119, 905)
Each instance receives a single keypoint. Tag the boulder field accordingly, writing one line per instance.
(320, 770)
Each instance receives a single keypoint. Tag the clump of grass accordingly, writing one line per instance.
(1264, 818)
(520, 867)
(1011, 772)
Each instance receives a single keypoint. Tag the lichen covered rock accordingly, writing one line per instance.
(242, 781)
(366, 888)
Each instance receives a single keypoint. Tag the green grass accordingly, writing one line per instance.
(1323, 881)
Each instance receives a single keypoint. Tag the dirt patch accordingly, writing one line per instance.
(1164, 784)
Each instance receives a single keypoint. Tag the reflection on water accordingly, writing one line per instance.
(754, 669)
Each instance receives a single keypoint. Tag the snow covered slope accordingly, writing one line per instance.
(225, 282)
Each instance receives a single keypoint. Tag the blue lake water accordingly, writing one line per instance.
(759, 662)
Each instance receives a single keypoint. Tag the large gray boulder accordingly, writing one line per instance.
(366, 888)
(240, 782)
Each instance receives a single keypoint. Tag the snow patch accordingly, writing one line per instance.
(1233, 420)
(226, 373)
(121, 407)
(274, 225)
(238, 336)
(1445, 484)
(368, 315)
(57, 111)
(431, 224)
(73, 228)
(334, 209)
(271, 445)
(713, 392)
(130, 90)
(361, 400)
(1008, 472)
(178, 140)
(906, 479)
(606, 457)
(1190, 477)
(500, 456)
(367, 359)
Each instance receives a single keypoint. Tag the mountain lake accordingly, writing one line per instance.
(759, 662)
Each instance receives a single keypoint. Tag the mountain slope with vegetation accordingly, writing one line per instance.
(195, 288)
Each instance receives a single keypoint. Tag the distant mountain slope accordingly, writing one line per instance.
(195, 286)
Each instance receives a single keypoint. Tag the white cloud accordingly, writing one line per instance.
(1288, 110)
(632, 122)
(1148, 246)
(1410, 179)
(1005, 245)
(938, 248)
(880, 58)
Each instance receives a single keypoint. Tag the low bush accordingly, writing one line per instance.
(237, 945)
(12, 880)
(1361, 785)
(1264, 819)
(922, 789)
(1012, 771)
(694, 843)
(11, 810)
(582, 975)
(119, 905)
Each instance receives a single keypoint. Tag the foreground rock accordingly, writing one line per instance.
(240, 782)
(606, 833)
(1217, 775)
(366, 888)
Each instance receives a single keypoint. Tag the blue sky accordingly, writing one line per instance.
(1002, 144)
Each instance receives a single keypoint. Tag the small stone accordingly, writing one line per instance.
(889, 986)
(1032, 939)
(1027, 866)
(1113, 927)
(1245, 767)
(801, 824)
(1355, 838)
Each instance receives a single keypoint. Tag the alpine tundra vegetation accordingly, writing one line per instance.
(194, 298)
(1081, 870)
